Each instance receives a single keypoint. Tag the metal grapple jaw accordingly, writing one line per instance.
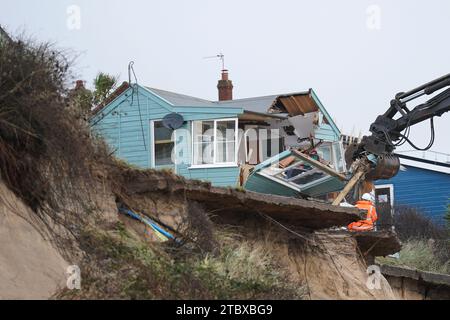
(385, 166)
(381, 166)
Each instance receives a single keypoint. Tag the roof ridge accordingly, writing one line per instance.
(248, 98)
(265, 96)
(228, 101)
(179, 94)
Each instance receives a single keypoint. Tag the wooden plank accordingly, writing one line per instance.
(356, 177)
(299, 107)
(320, 165)
(298, 104)
(306, 102)
(290, 108)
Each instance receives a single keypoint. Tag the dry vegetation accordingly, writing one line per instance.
(46, 152)
(50, 161)
(420, 254)
(125, 267)
(426, 245)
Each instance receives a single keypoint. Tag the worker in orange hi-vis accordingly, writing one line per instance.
(367, 203)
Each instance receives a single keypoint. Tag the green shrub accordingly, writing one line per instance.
(411, 223)
(422, 255)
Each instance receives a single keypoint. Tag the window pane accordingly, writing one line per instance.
(324, 152)
(225, 152)
(203, 137)
(225, 130)
(305, 177)
(226, 141)
(274, 143)
(339, 165)
(163, 154)
(163, 144)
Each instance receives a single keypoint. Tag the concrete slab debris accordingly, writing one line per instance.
(416, 284)
(233, 204)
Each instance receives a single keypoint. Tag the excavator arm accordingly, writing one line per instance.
(386, 130)
(373, 157)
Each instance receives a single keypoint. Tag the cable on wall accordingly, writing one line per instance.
(133, 88)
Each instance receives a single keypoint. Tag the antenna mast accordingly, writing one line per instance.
(221, 56)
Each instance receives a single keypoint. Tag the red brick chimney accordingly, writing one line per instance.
(79, 84)
(225, 87)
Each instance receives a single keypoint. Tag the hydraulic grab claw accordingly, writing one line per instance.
(373, 156)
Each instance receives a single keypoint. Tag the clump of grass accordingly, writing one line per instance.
(247, 270)
(426, 245)
(240, 189)
(419, 254)
(120, 267)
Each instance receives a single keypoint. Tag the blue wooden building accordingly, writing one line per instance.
(131, 121)
(420, 183)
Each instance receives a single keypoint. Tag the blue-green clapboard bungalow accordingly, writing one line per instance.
(133, 121)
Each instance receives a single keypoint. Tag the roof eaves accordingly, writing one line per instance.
(300, 93)
(437, 163)
(157, 95)
(325, 112)
(282, 116)
(424, 166)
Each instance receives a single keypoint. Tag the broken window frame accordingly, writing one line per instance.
(279, 174)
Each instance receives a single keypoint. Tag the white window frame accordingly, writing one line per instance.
(152, 140)
(215, 164)
(390, 186)
(338, 164)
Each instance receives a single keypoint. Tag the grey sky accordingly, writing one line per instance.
(269, 46)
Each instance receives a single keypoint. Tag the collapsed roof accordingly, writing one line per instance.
(297, 103)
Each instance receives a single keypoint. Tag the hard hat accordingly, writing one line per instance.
(368, 196)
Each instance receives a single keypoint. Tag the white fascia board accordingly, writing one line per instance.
(426, 166)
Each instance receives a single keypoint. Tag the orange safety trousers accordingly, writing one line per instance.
(368, 223)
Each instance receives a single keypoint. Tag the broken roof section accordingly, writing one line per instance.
(282, 105)
(293, 104)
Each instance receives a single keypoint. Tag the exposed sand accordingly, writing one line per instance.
(30, 267)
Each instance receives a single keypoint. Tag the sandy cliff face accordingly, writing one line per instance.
(30, 266)
(334, 269)
(329, 265)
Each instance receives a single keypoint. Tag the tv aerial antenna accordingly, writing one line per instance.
(219, 56)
